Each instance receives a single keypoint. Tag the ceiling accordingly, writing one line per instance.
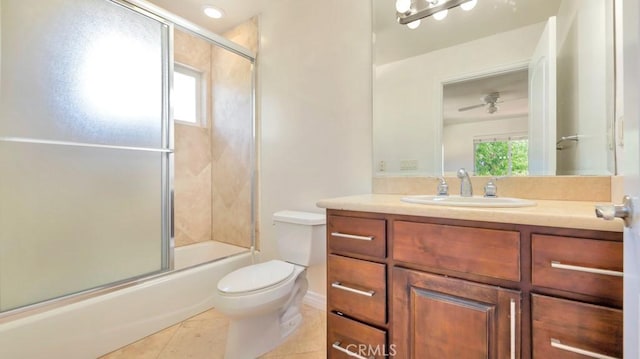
(395, 41)
(236, 11)
(512, 102)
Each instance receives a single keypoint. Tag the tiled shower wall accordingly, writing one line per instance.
(232, 138)
(213, 163)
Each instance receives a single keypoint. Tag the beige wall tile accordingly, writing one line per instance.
(245, 34)
(213, 164)
(569, 188)
(192, 185)
(232, 136)
(617, 188)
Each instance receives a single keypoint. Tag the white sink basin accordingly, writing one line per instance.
(476, 201)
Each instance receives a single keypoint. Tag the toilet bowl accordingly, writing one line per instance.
(247, 291)
(263, 300)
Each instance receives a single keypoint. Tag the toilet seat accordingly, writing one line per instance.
(255, 277)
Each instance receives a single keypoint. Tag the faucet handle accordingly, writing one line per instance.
(490, 189)
(443, 187)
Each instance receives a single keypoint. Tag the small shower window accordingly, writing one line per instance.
(188, 96)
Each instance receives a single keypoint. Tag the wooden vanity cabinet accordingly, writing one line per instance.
(443, 288)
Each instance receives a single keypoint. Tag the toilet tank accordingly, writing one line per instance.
(301, 236)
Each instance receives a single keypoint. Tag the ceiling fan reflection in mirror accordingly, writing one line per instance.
(489, 101)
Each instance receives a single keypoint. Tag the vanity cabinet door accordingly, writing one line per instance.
(442, 317)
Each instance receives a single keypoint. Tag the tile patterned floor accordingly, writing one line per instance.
(204, 337)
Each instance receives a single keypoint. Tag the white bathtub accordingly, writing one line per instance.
(99, 325)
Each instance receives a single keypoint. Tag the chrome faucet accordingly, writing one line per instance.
(465, 183)
(443, 187)
(490, 189)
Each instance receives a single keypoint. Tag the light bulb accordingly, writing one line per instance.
(213, 12)
(402, 6)
(469, 5)
(413, 24)
(440, 14)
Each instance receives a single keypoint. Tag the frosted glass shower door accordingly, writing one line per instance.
(85, 147)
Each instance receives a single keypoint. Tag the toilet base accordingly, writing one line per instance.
(254, 336)
(290, 321)
(258, 332)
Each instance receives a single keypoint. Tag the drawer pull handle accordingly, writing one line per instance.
(512, 329)
(556, 264)
(368, 293)
(352, 236)
(557, 344)
(337, 346)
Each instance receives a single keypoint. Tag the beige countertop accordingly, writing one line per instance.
(566, 214)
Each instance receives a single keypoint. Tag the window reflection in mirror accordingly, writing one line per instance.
(501, 156)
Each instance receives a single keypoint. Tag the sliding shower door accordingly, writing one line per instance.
(85, 147)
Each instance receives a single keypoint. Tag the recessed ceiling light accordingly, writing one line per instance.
(213, 12)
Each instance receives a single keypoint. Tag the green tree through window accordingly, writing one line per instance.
(501, 156)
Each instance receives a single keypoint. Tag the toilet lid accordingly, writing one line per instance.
(256, 276)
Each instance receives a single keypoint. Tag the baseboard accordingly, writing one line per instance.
(315, 300)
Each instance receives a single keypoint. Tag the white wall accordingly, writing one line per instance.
(408, 94)
(458, 140)
(314, 84)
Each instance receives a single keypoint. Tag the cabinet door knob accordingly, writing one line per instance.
(610, 211)
(557, 344)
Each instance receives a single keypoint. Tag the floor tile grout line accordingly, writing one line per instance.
(166, 343)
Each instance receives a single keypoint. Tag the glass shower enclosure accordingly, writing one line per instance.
(86, 147)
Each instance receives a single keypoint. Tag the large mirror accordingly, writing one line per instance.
(510, 87)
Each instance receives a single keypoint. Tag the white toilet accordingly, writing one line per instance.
(263, 300)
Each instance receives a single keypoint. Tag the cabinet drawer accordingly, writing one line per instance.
(351, 235)
(346, 337)
(564, 329)
(357, 288)
(487, 252)
(585, 266)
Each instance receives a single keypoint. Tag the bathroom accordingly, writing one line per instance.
(314, 108)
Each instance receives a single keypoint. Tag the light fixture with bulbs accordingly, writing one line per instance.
(413, 24)
(409, 12)
(213, 12)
